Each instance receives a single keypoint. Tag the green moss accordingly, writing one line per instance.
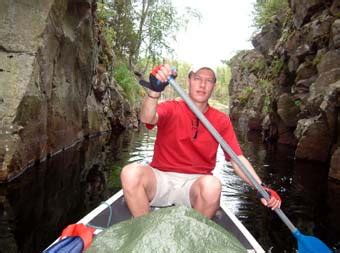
(317, 59)
(297, 103)
(276, 67)
(288, 26)
(266, 105)
(266, 87)
(259, 66)
(245, 95)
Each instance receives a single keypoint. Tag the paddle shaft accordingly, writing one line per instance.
(229, 151)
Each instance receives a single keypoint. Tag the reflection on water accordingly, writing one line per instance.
(304, 189)
(36, 207)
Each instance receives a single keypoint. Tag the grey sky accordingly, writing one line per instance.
(225, 28)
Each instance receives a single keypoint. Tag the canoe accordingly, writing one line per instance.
(115, 210)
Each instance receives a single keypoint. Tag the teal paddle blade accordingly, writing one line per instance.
(310, 244)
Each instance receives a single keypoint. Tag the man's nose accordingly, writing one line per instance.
(203, 82)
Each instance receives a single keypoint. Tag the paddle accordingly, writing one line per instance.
(306, 244)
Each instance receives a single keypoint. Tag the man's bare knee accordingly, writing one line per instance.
(207, 189)
(131, 175)
(134, 176)
(205, 195)
(210, 187)
(139, 186)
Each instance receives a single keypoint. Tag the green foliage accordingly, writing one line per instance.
(297, 102)
(256, 65)
(266, 87)
(161, 25)
(266, 105)
(245, 95)
(259, 66)
(288, 25)
(223, 79)
(276, 67)
(264, 84)
(123, 25)
(245, 66)
(105, 13)
(141, 29)
(264, 10)
(126, 80)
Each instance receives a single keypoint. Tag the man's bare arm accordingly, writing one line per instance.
(274, 201)
(148, 112)
(250, 168)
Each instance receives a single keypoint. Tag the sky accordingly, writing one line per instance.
(225, 28)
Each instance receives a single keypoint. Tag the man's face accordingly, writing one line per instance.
(201, 85)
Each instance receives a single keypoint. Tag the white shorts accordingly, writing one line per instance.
(173, 188)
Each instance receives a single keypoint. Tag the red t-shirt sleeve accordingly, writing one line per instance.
(164, 110)
(229, 136)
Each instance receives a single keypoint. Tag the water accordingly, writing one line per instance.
(36, 207)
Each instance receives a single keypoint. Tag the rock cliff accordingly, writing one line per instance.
(289, 85)
(54, 89)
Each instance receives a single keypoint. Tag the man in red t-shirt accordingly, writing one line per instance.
(184, 152)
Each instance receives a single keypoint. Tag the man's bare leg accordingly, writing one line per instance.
(205, 195)
(139, 187)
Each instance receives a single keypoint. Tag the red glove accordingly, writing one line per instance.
(274, 200)
(272, 193)
(155, 84)
(156, 69)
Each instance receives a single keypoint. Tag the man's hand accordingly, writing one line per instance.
(274, 201)
(159, 78)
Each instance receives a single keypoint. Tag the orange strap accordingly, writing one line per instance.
(84, 232)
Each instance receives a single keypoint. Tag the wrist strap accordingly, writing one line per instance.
(153, 96)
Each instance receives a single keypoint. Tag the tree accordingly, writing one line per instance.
(264, 10)
(143, 29)
(124, 27)
(140, 33)
(161, 26)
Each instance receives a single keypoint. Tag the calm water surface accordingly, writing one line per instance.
(37, 206)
